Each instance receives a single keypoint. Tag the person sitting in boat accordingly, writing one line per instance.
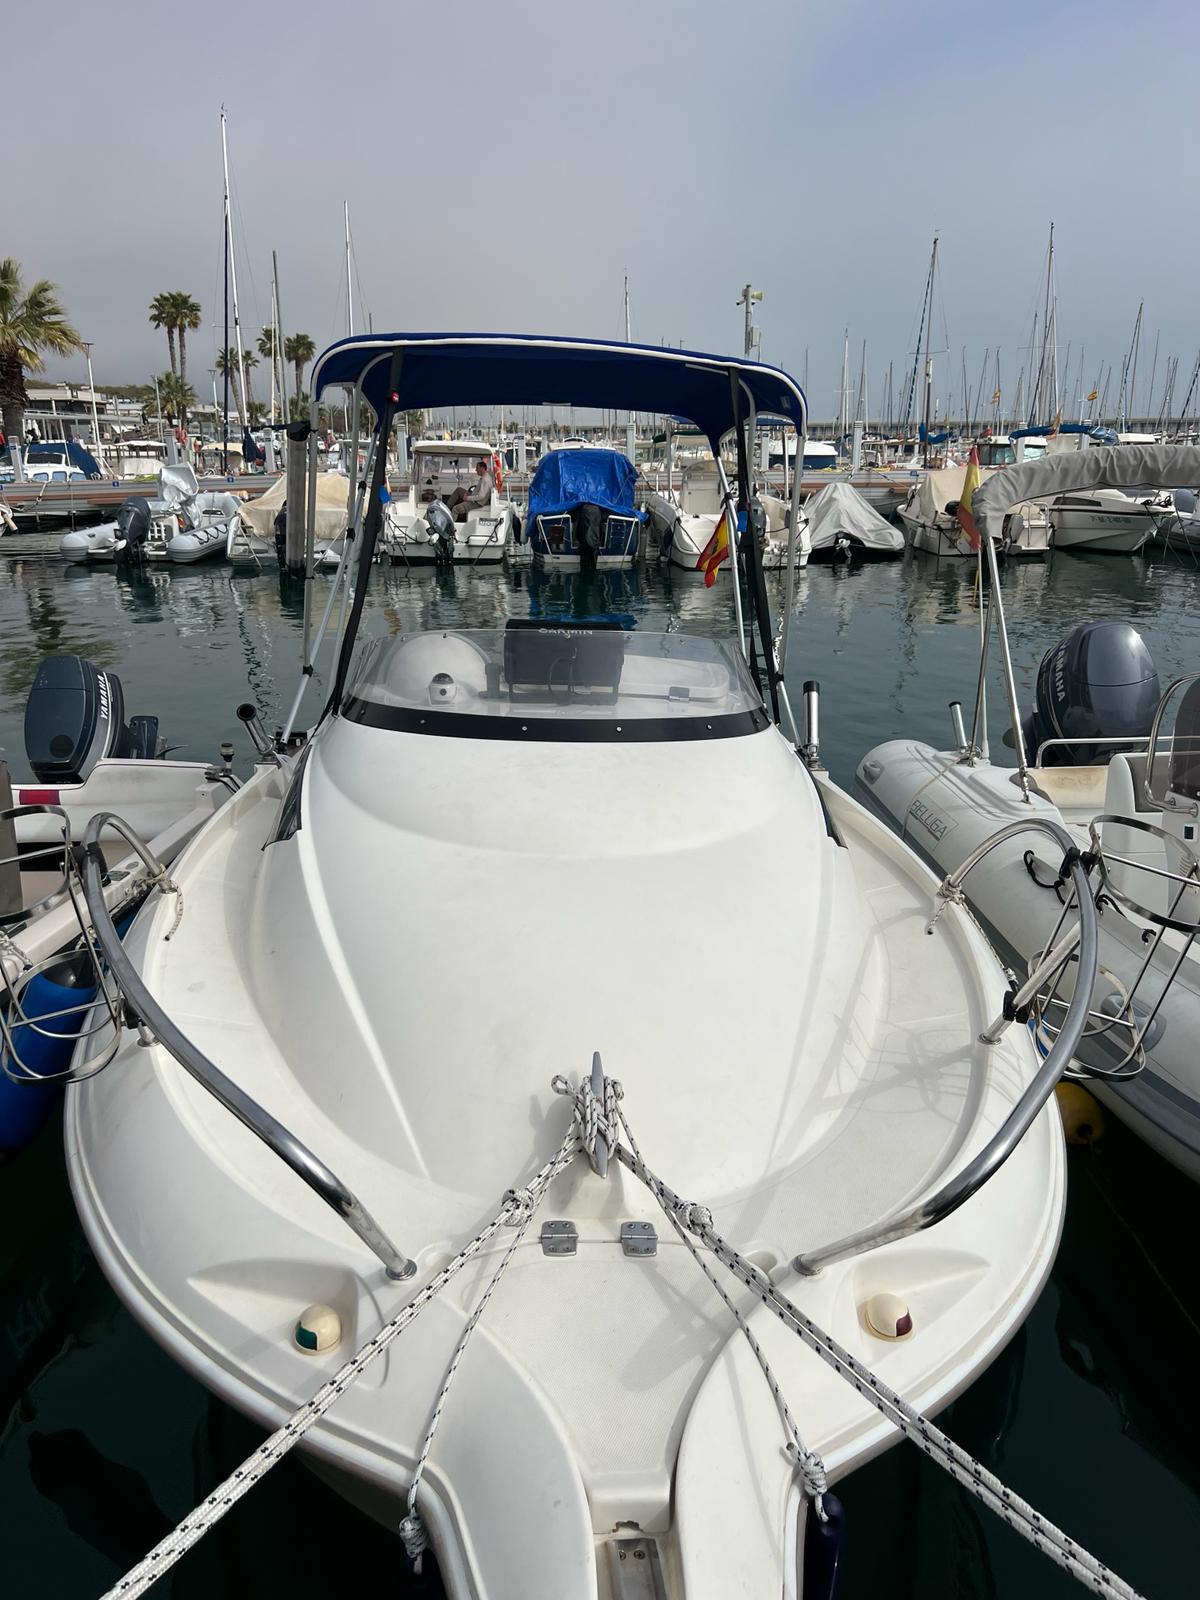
(463, 501)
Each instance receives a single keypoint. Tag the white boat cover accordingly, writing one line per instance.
(1122, 466)
(838, 508)
(938, 488)
(332, 491)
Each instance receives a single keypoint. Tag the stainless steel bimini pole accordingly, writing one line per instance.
(732, 535)
(789, 591)
(1014, 710)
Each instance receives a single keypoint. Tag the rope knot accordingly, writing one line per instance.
(695, 1218)
(519, 1203)
(416, 1539)
(812, 1472)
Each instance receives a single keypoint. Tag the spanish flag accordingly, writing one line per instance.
(715, 551)
(966, 520)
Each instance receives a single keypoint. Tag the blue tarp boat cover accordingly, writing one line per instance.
(564, 479)
(51, 451)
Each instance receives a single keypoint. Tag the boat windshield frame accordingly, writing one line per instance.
(560, 682)
(393, 373)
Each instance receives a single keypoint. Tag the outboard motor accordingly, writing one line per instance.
(281, 537)
(587, 533)
(75, 715)
(441, 531)
(133, 530)
(1099, 681)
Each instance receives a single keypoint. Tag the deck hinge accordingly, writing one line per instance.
(558, 1238)
(639, 1239)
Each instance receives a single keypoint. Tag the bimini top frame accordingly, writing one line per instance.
(456, 369)
(409, 371)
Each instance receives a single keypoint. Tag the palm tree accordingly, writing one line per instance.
(187, 320)
(228, 360)
(177, 312)
(266, 343)
(249, 362)
(162, 315)
(174, 397)
(299, 350)
(32, 321)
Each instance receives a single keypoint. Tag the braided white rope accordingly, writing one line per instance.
(1043, 1534)
(516, 1211)
(523, 1203)
(226, 1495)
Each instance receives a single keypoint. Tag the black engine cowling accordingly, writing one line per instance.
(133, 529)
(74, 716)
(1099, 682)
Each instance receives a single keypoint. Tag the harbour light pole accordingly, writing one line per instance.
(750, 298)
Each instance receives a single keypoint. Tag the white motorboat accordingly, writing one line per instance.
(683, 521)
(1115, 521)
(442, 470)
(581, 513)
(181, 524)
(821, 1088)
(1105, 768)
(928, 514)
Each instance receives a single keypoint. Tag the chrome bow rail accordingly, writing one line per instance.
(150, 1016)
(1081, 941)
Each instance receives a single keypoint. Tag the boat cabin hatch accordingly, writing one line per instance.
(559, 681)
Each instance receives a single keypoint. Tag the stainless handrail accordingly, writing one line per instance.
(291, 1150)
(1041, 1086)
(1134, 739)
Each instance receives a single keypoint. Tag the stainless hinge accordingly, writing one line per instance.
(558, 1238)
(639, 1239)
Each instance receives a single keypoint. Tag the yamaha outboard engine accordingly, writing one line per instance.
(75, 715)
(1098, 682)
(133, 530)
(441, 531)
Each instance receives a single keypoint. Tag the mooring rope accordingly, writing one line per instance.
(594, 1123)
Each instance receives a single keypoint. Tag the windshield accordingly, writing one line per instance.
(437, 476)
(531, 676)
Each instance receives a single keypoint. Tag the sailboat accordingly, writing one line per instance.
(335, 1115)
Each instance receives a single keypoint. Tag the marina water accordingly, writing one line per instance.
(105, 1443)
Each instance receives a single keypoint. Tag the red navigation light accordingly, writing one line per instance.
(37, 797)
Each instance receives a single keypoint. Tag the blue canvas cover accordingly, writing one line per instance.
(565, 479)
(51, 451)
(479, 369)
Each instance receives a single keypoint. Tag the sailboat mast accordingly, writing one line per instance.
(349, 283)
(225, 334)
(1127, 387)
(283, 394)
(1050, 335)
(927, 318)
(237, 322)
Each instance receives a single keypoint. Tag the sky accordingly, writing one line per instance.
(506, 166)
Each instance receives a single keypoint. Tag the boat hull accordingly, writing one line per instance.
(946, 810)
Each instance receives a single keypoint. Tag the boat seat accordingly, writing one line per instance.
(1078, 792)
